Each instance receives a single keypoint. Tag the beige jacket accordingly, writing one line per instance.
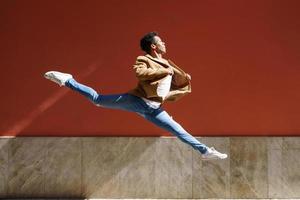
(151, 71)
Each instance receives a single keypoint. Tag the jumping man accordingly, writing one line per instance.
(159, 80)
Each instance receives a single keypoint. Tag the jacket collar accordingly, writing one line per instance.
(156, 60)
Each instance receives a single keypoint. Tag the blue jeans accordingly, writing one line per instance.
(135, 104)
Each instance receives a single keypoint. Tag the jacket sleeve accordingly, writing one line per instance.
(180, 78)
(145, 72)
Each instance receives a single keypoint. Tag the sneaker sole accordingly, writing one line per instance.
(214, 158)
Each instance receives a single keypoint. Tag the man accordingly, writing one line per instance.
(159, 80)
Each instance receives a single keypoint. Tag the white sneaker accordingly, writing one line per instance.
(212, 154)
(58, 77)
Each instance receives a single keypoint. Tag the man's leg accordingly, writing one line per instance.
(165, 121)
(135, 104)
(118, 101)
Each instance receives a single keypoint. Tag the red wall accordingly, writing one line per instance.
(243, 57)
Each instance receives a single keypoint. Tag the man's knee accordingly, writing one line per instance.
(95, 99)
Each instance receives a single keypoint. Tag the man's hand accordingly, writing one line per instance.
(189, 76)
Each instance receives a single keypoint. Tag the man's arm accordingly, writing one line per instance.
(143, 72)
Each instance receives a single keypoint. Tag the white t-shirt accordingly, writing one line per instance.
(162, 90)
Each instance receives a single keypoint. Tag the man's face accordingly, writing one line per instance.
(160, 46)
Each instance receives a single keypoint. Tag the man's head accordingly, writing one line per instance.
(152, 42)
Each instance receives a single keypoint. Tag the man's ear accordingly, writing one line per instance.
(153, 46)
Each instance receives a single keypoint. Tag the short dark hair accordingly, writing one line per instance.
(147, 40)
